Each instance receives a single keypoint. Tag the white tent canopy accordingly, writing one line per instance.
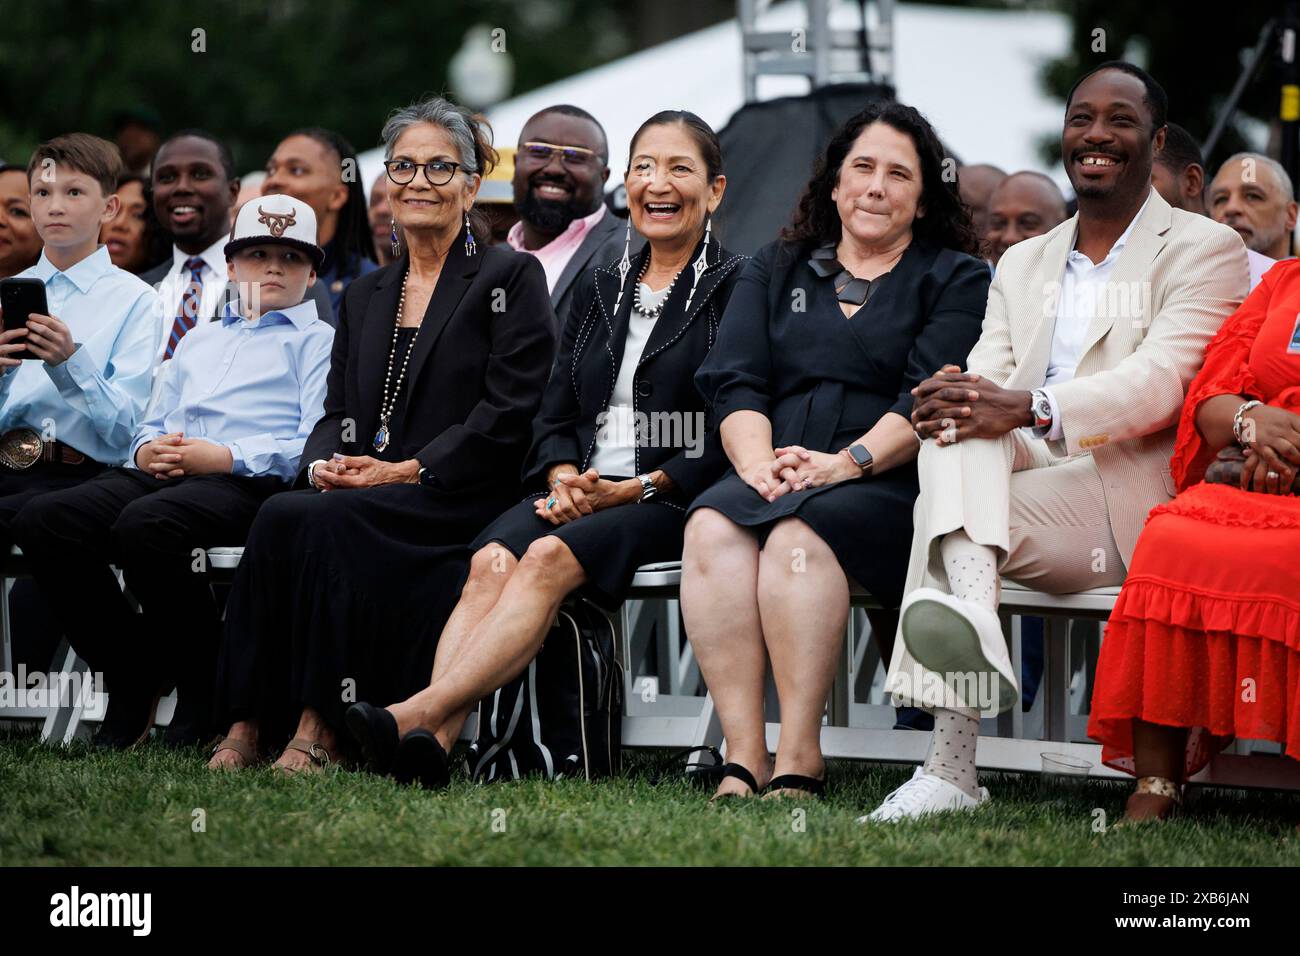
(974, 73)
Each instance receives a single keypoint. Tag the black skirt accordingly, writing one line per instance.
(341, 597)
(867, 523)
(610, 544)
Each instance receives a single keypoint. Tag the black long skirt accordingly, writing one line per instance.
(867, 523)
(610, 544)
(341, 596)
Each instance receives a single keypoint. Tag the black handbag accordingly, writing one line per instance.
(563, 716)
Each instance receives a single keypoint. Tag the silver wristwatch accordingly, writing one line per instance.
(648, 488)
(1040, 406)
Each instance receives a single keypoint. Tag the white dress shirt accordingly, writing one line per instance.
(1083, 286)
(172, 288)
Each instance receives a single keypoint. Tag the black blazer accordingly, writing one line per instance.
(591, 351)
(475, 378)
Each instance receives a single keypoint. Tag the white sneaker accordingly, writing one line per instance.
(923, 794)
(950, 636)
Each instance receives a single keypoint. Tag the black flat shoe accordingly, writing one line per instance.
(421, 759)
(375, 731)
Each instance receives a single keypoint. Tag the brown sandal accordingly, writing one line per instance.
(320, 758)
(246, 752)
(1156, 787)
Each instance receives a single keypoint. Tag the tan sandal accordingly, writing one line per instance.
(1156, 787)
(320, 758)
(246, 751)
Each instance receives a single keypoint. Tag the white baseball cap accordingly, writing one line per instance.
(277, 219)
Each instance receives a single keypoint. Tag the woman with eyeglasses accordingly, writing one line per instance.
(437, 371)
(620, 449)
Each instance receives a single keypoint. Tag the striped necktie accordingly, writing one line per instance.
(188, 315)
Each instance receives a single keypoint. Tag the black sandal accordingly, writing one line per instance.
(794, 781)
(421, 759)
(741, 774)
(375, 730)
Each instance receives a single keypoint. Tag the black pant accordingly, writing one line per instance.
(156, 532)
(19, 487)
(33, 630)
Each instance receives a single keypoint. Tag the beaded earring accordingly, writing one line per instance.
(471, 246)
(625, 266)
(701, 261)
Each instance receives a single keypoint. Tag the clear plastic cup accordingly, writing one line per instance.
(1064, 770)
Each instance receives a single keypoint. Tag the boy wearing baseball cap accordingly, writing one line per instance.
(232, 411)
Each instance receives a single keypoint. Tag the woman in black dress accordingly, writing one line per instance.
(871, 290)
(620, 450)
(438, 368)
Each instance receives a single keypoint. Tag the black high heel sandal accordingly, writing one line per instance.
(375, 731)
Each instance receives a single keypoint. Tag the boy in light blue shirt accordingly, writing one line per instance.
(73, 408)
(234, 407)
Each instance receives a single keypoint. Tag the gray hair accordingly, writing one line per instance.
(459, 123)
(1278, 169)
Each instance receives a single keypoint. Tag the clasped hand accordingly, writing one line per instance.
(1274, 452)
(795, 468)
(175, 456)
(362, 471)
(951, 405)
(574, 495)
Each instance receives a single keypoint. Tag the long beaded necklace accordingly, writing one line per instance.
(387, 406)
(651, 312)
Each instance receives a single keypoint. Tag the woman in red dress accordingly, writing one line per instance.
(1204, 641)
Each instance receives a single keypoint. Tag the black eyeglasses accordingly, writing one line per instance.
(438, 172)
(575, 157)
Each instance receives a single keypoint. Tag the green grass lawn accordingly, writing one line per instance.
(74, 806)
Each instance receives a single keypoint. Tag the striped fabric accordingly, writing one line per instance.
(188, 314)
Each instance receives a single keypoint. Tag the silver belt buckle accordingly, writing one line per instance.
(20, 449)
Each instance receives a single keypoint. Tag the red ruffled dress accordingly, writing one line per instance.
(1206, 631)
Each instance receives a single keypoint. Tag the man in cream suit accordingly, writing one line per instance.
(1041, 462)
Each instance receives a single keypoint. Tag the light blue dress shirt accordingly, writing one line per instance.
(254, 386)
(94, 400)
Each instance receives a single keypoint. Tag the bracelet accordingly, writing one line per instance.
(311, 473)
(1238, 422)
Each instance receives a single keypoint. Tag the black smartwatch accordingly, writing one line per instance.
(861, 457)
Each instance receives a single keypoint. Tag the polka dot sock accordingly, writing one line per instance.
(952, 748)
(972, 569)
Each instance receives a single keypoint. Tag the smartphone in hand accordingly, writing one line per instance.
(19, 299)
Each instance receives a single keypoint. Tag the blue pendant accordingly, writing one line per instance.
(381, 438)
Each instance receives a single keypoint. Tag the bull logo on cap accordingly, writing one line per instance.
(277, 222)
